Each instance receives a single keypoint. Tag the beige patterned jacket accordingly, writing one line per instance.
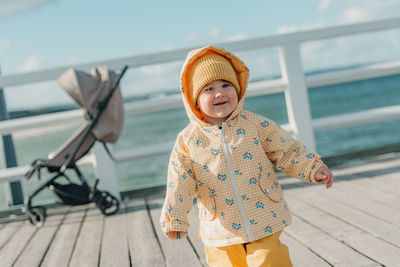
(232, 171)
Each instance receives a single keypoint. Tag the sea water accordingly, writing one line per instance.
(160, 127)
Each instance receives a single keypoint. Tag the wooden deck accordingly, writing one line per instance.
(355, 223)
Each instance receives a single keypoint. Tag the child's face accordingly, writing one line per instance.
(217, 100)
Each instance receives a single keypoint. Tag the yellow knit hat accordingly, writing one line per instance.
(208, 68)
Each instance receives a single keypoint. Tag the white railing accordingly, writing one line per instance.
(293, 83)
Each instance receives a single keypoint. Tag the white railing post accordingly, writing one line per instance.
(104, 169)
(296, 94)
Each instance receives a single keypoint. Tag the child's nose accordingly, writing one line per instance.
(219, 93)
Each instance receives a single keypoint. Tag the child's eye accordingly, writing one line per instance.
(209, 89)
(225, 85)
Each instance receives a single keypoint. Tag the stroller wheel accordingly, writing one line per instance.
(107, 203)
(37, 216)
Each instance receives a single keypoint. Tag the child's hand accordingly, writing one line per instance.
(323, 173)
(176, 234)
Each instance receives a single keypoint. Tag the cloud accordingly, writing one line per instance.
(214, 33)
(10, 8)
(159, 69)
(194, 36)
(354, 14)
(73, 60)
(4, 45)
(238, 37)
(36, 95)
(324, 5)
(350, 11)
(33, 63)
(294, 28)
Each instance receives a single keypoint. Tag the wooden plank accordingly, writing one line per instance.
(383, 182)
(361, 187)
(87, 249)
(177, 252)
(369, 166)
(368, 223)
(14, 247)
(37, 247)
(331, 250)
(144, 247)
(300, 255)
(63, 244)
(8, 231)
(114, 248)
(194, 234)
(364, 199)
(361, 241)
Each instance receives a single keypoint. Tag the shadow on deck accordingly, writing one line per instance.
(355, 223)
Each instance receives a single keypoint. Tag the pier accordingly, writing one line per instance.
(355, 223)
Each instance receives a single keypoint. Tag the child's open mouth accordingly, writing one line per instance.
(220, 103)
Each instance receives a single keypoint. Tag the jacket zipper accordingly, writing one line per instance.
(235, 187)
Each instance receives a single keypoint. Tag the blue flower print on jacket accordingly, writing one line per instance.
(259, 205)
(253, 222)
(229, 201)
(247, 155)
(256, 141)
(213, 193)
(238, 172)
(253, 180)
(221, 177)
(241, 131)
(236, 226)
(215, 151)
(310, 156)
(264, 123)
(168, 208)
(174, 164)
(268, 229)
(244, 197)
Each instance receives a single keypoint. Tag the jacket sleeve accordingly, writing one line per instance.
(286, 153)
(181, 189)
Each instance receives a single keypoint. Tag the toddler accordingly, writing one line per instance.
(227, 156)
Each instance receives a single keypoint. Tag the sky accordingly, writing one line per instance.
(42, 34)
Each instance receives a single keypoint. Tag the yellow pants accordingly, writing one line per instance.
(268, 251)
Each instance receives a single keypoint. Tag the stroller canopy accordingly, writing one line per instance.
(90, 89)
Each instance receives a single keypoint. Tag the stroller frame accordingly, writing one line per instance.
(107, 203)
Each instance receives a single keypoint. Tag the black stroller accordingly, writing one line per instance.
(98, 94)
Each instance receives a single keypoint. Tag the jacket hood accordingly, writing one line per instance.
(240, 68)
